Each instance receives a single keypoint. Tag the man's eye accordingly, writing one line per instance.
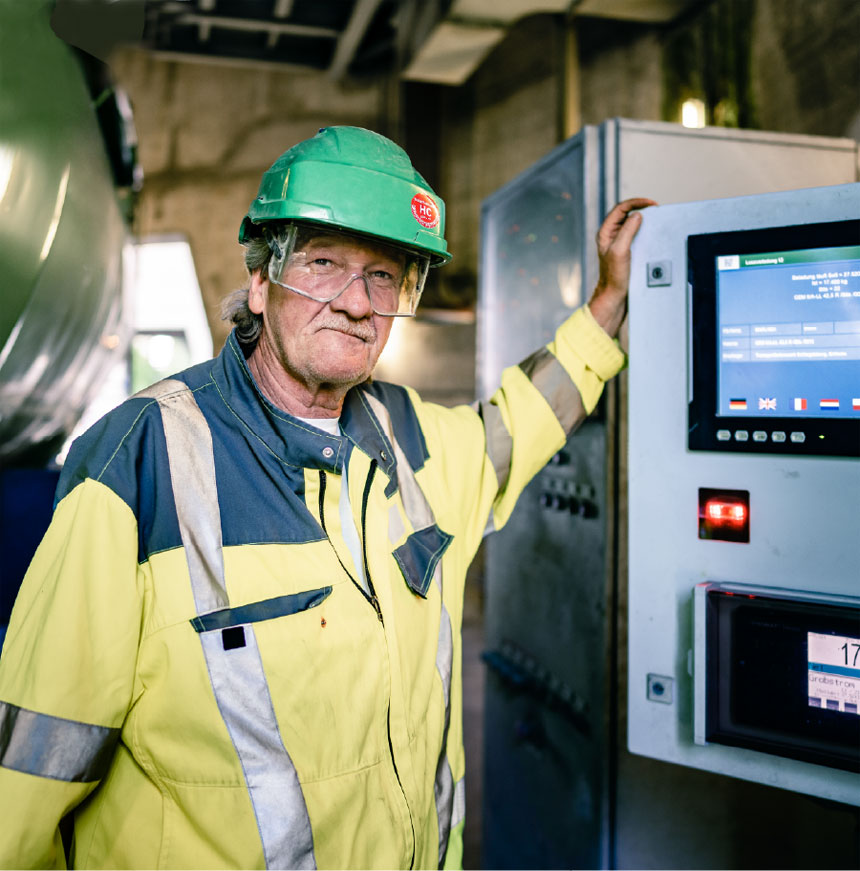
(321, 261)
(382, 275)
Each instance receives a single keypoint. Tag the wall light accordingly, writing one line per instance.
(693, 113)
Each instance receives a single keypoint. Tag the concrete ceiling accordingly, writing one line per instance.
(333, 36)
(463, 37)
(440, 41)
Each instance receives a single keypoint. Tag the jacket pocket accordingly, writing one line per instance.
(268, 609)
(418, 556)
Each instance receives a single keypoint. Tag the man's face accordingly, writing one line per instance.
(333, 344)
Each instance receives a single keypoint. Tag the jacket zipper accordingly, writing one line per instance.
(372, 597)
(365, 498)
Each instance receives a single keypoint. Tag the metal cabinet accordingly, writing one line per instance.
(555, 585)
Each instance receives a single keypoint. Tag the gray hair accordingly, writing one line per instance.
(234, 308)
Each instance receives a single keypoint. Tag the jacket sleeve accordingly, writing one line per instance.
(542, 401)
(67, 670)
(528, 419)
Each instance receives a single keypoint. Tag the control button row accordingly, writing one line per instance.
(742, 435)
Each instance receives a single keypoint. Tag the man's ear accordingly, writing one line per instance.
(258, 292)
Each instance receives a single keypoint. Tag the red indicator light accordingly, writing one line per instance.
(723, 513)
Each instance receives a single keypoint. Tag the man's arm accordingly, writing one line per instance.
(546, 397)
(569, 373)
(67, 671)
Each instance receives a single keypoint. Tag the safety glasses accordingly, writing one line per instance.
(320, 264)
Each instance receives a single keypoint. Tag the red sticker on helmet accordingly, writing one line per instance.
(425, 210)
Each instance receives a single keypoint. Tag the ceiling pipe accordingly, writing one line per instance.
(350, 39)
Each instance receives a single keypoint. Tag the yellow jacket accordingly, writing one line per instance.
(190, 664)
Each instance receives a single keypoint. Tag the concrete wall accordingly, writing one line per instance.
(620, 70)
(501, 121)
(806, 66)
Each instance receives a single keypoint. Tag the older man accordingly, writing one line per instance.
(238, 645)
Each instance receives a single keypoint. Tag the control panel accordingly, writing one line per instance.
(744, 489)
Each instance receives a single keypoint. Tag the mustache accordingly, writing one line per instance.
(363, 330)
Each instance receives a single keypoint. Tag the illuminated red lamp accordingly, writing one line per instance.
(721, 512)
(724, 515)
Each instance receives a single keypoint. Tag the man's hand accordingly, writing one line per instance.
(608, 303)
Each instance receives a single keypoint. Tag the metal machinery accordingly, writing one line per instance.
(64, 151)
(744, 619)
(67, 174)
(555, 575)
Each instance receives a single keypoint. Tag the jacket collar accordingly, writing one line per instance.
(290, 439)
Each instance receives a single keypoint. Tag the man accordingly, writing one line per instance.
(238, 645)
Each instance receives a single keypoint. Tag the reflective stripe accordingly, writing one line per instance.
(420, 515)
(444, 793)
(500, 444)
(237, 675)
(192, 475)
(415, 503)
(53, 747)
(243, 698)
(396, 529)
(269, 609)
(556, 387)
(459, 813)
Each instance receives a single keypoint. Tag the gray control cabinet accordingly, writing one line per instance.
(804, 511)
(555, 575)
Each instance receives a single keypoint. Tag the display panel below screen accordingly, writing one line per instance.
(782, 677)
(834, 672)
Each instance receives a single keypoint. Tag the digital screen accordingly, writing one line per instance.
(775, 340)
(788, 333)
(834, 672)
(781, 675)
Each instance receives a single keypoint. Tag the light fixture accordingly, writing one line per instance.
(693, 113)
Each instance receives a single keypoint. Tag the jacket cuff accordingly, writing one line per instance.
(586, 338)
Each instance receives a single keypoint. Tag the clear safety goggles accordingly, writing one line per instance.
(320, 264)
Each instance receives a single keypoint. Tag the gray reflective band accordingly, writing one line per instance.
(444, 794)
(237, 675)
(420, 515)
(459, 813)
(53, 747)
(556, 387)
(500, 445)
(243, 698)
(415, 503)
(192, 475)
(268, 609)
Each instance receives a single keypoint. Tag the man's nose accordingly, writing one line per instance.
(355, 300)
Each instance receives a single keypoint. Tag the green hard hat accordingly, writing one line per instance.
(352, 179)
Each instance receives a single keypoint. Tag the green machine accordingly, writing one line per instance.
(66, 160)
(67, 179)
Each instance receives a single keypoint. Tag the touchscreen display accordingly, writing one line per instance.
(834, 672)
(783, 676)
(788, 333)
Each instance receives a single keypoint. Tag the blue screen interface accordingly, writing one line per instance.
(788, 333)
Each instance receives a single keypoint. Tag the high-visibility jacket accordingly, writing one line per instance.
(191, 664)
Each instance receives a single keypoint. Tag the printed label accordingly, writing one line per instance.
(425, 210)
